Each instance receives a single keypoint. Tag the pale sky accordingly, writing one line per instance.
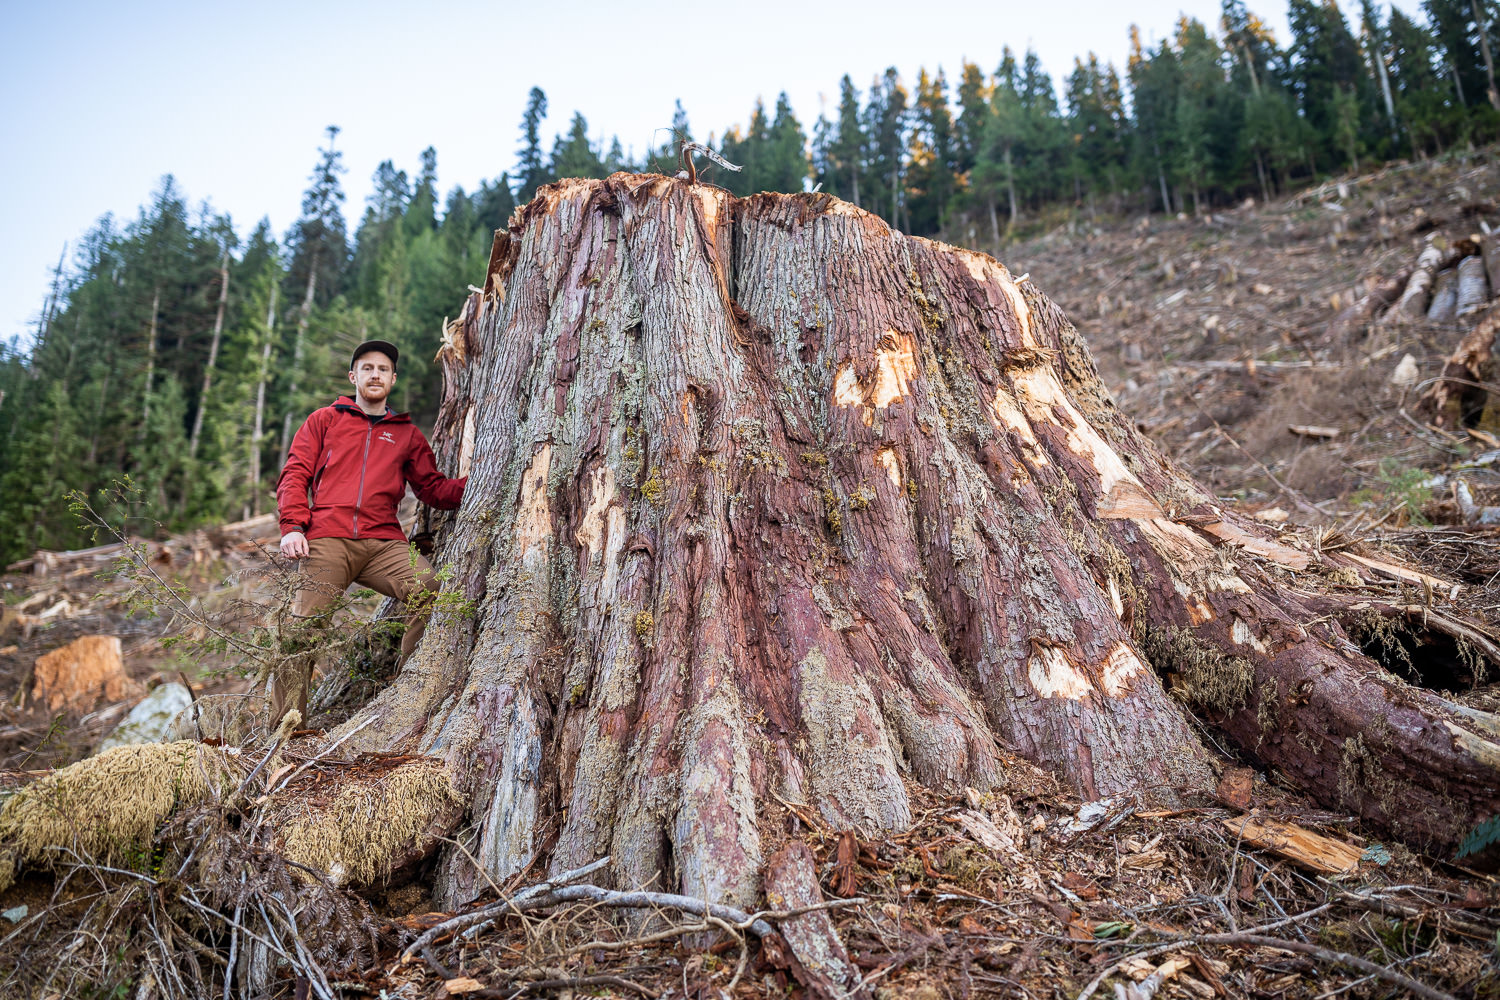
(99, 100)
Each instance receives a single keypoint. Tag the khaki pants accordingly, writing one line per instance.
(383, 565)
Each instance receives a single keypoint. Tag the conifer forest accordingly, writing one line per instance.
(180, 350)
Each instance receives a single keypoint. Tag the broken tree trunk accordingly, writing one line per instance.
(1461, 393)
(770, 504)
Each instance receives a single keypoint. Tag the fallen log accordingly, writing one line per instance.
(1473, 286)
(1297, 844)
(1444, 297)
(1414, 300)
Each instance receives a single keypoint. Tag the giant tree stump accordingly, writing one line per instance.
(771, 503)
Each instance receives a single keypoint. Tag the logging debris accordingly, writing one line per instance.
(1030, 891)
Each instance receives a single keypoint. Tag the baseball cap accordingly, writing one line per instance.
(383, 346)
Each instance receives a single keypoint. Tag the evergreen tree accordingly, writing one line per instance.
(1042, 171)
(318, 254)
(318, 244)
(421, 215)
(1155, 79)
(885, 126)
(819, 161)
(785, 166)
(1210, 115)
(1373, 40)
(973, 109)
(1250, 46)
(1433, 119)
(664, 160)
(749, 150)
(1001, 134)
(846, 151)
(1325, 63)
(530, 168)
(575, 156)
(932, 160)
(494, 203)
(1096, 116)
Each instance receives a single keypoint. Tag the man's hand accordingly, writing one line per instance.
(294, 545)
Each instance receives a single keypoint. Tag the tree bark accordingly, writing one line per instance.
(771, 504)
(213, 355)
(1444, 297)
(769, 501)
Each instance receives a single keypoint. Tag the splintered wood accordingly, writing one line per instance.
(1437, 585)
(1295, 843)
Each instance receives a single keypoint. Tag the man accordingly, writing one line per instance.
(347, 469)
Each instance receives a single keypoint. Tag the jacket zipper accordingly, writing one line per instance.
(359, 497)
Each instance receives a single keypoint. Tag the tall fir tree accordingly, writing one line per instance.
(531, 168)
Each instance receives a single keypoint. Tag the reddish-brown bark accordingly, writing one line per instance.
(770, 503)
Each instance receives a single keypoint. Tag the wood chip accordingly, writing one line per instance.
(1409, 575)
(1127, 500)
(985, 832)
(463, 984)
(1145, 861)
(1235, 786)
(1274, 551)
(1313, 431)
(1295, 843)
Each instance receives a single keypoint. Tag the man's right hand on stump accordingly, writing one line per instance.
(294, 545)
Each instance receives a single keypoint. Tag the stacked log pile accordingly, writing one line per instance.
(1448, 282)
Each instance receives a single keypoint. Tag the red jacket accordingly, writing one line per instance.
(346, 472)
